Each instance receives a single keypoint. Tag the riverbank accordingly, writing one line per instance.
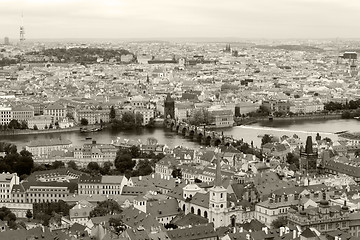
(45, 131)
(250, 121)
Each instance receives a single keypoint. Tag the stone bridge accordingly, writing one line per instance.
(198, 133)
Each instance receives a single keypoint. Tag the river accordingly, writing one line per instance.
(302, 128)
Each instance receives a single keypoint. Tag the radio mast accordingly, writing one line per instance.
(22, 30)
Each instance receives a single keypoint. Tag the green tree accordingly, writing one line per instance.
(105, 170)
(46, 127)
(293, 160)
(24, 125)
(57, 164)
(135, 151)
(106, 207)
(72, 164)
(151, 123)
(201, 116)
(346, 115)
(29, 215)
(35, 127)
(279, 222)
(176, 173)
(124, 162)
(14, 162)
(7, 215)
(14, 124)
(143, 168)
(93, 167)
(84, 122)
(112, 114)
(266, 139)
(117, 224)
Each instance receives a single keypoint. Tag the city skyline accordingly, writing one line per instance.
(116, 19)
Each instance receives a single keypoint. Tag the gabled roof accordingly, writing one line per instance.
(163, 208)
(55, 106)
(112, 179)
(196, 232)
(176, 192)
(347, 169)
(49, 142)
(190, 219)
(90, 179)
(134, 218)
(201, 199)
(308, 233)
(135, 191)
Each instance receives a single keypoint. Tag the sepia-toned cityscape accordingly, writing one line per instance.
(179, 120)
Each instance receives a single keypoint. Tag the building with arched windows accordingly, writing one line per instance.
(212, 202)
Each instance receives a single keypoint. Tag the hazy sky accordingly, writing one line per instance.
(180, 18)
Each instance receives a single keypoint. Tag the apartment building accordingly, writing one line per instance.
(41, 122)
(101, 185)
(7, 182)
(5, 115)
(280, 202)
(22, 112)
(42, 148)
(146, 113)
(56, 110)
(222, 118)
(324, 218)
(40, 192)
(95, 152)
(93, 116)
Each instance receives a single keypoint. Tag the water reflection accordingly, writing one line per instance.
(302, 128)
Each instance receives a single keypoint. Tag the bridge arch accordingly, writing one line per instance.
(200, 137)
(184, 130)
(191, 134)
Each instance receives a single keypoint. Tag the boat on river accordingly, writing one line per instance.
(341, 132)
(87, 130)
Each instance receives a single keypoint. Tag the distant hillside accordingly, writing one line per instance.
(80, 55)
(304, 48)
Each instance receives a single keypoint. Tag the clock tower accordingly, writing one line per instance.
(218, 200)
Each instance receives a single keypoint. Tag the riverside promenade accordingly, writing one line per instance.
(45, 131)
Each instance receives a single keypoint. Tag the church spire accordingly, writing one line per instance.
(218, 173)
